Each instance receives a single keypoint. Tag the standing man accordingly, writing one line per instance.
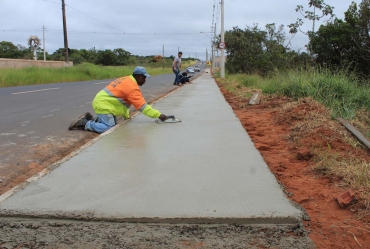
(176, 67)
(115, 100)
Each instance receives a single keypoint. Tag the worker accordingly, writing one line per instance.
(176, 68)
(184, 78)
(115, 100)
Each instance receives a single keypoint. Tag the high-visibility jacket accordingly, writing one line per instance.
(119, 95)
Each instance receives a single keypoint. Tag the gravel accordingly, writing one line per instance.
(44, 233)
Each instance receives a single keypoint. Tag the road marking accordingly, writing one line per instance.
(25, 123)
(105, 82)
(48, 116)
(47, 89)
(7, 144)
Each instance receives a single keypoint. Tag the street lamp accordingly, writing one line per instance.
(213, 49)
(222, 68)
(206, 53)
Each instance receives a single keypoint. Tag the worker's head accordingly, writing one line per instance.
(180, 54)
(140, 75)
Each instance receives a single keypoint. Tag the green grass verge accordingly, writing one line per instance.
(34, 76)
(338, 91)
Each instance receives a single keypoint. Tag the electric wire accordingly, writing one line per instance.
(101, 21)
(214, 16)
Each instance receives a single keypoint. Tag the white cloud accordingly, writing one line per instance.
(142, 27)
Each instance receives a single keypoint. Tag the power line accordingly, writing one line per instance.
(218, 13)
(49, 1)
(102, 22)
(20, 30)
(104, 33)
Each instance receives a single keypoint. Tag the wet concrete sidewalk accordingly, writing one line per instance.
(202, 170)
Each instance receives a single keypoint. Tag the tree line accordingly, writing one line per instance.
(115, 57)
(343, 44)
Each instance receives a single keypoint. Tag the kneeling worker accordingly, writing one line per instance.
(184, 78)
(116, 99)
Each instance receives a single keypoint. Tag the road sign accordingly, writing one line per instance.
(222, 45)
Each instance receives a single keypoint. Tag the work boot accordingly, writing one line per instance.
(88, 116)
(81, 122)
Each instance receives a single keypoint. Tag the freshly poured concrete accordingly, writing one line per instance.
(202, 170)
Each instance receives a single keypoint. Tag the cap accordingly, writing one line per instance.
(141, 70)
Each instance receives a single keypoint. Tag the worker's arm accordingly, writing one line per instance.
(138, 101)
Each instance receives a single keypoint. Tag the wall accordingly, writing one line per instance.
(16, 63)
(218, 61)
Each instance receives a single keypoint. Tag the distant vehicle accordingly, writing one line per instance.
(190, 69)
(196, 68)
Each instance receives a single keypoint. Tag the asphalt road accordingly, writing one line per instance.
(35, 120)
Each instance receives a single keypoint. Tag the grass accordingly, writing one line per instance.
(35, 76)
(341, 93)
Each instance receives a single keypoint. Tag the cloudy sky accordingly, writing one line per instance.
(143, 27)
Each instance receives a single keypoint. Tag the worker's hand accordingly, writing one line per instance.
(163, 117)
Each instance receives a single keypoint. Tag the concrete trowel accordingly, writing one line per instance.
(170, 119)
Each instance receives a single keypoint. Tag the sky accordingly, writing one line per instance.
(148, 27)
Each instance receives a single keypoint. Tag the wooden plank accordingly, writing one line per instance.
(355, 132)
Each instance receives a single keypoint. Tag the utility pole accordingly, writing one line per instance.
(43, 40)
(206, 55)
(213, 50)
(163, 57)
(66, 58)
(222, 70)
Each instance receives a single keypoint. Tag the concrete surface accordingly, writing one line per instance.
(68, 234)
(202, 170)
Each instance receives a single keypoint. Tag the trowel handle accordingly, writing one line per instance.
(170, 116)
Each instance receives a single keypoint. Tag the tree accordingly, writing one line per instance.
(359, 21)
(24, 52)
(9, 50)
(89, 55)
(253, 50)
(345, 43)
(332, 44)
(106, 58)
(316, 4)
(122, 55)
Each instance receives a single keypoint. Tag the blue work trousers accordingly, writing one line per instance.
(102, 123)
(177, 78)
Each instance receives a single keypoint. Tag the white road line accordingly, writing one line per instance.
(36, 90)
(105, 82)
